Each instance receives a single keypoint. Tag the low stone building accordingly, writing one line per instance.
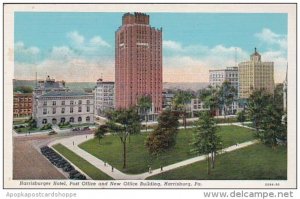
(66, 106)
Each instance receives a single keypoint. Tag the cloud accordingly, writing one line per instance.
(61, 53)
(75, 37)
(98, 41)
(188, 68)
(82, 59)
(72, 70)
(172, 45)
(26, 54)
(271, 38)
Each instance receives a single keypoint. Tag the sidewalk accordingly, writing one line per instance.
(118, 175)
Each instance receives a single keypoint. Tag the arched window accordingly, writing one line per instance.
(71, 119)
(87, 118)
(79, 119)
(54, 121)
(62, 120)
(44, 121)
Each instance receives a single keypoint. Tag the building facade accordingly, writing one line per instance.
(59, 107)
(230, 74)
(138, 62)
(255, 75)
(45, 86)
(167, 99)
(104, 96)
(197, 106)
(22, 105)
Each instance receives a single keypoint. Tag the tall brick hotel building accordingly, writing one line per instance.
(138, 63)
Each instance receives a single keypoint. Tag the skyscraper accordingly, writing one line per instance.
(255, 75)
(138, 62)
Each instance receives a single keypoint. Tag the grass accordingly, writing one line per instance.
(74, 125)
(138, 158)
(81, 163)
(256, 162)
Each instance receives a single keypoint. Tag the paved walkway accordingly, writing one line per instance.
(73, 142)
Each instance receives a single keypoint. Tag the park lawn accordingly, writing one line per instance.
(81, 163)
(256, 162)
(138, 159)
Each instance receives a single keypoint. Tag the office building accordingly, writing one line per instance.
(104, 96)
(255, 75)
(138, 63)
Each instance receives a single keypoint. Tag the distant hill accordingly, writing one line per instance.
(70, 85)
(83, 85)
(185, 85)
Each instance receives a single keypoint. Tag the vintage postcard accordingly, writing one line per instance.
(153, 96)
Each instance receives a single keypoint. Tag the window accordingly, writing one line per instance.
(62, 110)
(45, 103)
(71, 109)
(79, 109)
(44, 111)
(62, 120)
(71, 119)
(87, 101)
(71, 102)
(53, 103)
(79, 102)
(53, 110)
(87, 109)
(87, 118)
(44, 121)
(62, 102)
(79, 119)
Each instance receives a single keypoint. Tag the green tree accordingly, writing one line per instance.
(267, 116)
(278, 96)
(226, 94)
(180, 102)
(210, 97)
(256, 107)
(164, 135)
(124, 122)
(23, 89)
(31, 123)
(205, 139)
(241, 116)
(145, 104)
(99, 133)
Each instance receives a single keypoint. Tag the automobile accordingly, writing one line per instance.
(79, 176)
(68, 168)
(76, 129)
(52, 133)
(85, 128)
(73, 173)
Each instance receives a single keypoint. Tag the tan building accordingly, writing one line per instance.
(255, 75)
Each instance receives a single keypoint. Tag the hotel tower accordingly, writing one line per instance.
(138, 62)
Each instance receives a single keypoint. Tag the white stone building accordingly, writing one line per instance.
(196, 106)
(66, 106)
(230, 74)
(104, 96)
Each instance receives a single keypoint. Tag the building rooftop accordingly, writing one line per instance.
(65, 94)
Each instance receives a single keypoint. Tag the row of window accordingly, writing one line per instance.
(62, 120)
(64, 103)
(45, 111)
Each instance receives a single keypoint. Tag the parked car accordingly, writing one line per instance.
(73, 173)
(85, 128)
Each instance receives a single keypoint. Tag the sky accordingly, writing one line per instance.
(79, 46)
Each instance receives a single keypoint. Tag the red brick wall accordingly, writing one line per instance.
(138, 63)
